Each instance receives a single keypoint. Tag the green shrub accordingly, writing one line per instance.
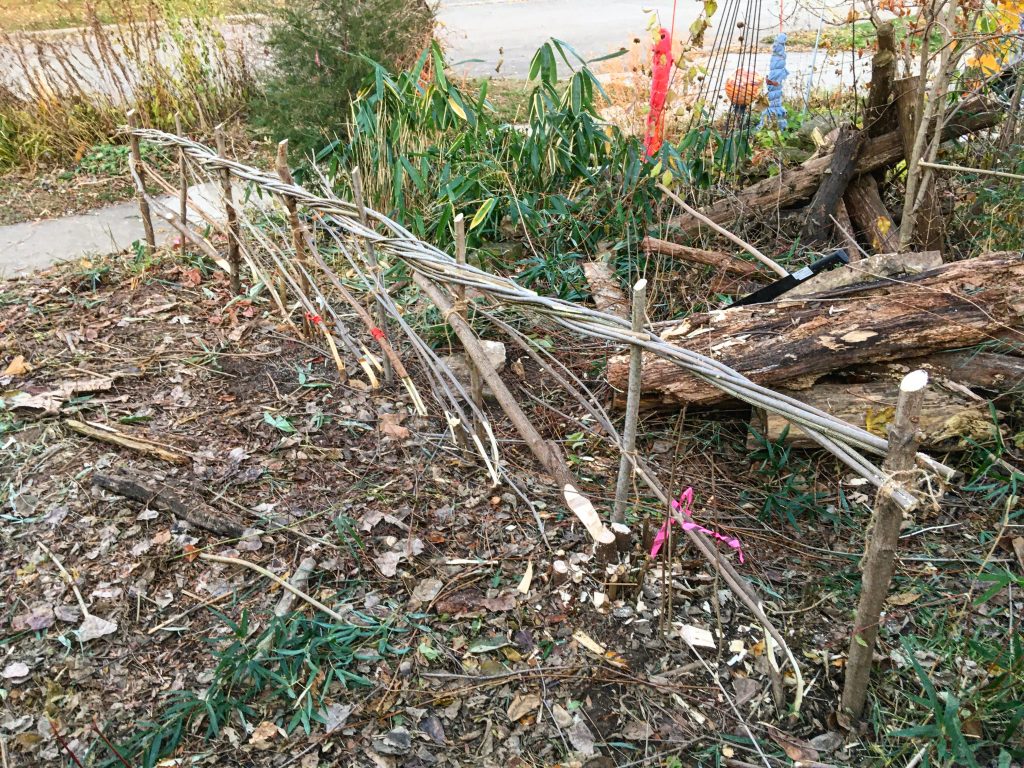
(322, 51)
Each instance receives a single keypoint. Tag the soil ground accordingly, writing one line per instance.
(441, 659)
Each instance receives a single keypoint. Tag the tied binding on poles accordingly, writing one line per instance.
(684, 506)
(661, 68)
(777, 72)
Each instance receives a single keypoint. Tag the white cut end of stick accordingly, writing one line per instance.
(584, 510)
(640, 284)
(914, 381)
(524, 585)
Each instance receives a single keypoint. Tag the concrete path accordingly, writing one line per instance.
(37, 244)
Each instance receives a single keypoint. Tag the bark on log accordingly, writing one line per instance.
(870, 216)
(798, 184)
(986, 371)
(956, 305)
(867, 271)
(818, 226)
(947, 420)
(883, 69)
(929, 217)
(845, 232)
(604, 288)
(715, 259)
(161, 498)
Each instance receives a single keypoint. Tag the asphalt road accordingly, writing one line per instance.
(509, 31)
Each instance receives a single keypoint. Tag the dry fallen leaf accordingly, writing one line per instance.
(522, 706)
(391, 425)
(93, 627)
(264, 734)
(17, 367)
(795, 749)
(902, 598)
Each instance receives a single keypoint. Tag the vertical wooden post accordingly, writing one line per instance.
(929, 221)
(234, 254)
(882, 539)
(632, 406)
(140, 186)
(183, 182)
(371, 254)
(476, 382)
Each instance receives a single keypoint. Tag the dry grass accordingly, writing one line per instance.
(31, 15)
(62, 94)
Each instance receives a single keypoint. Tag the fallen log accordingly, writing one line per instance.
(870, 216)
(985, 371)
(714, 259)
(948, 419)
(798, 184)
(952, 306)
(869, 270)
(163, 499)
(604, 288)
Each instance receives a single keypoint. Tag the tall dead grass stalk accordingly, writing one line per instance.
(63, 92)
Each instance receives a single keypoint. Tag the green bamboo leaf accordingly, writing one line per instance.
(482, 212)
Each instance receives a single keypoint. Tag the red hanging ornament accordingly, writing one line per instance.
(661, 69)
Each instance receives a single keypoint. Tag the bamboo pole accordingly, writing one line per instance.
(183, 182)
(234, 254)
(380, 314)
(882, 539)
(548, 455)
(298, 239)
(632, 406)
(140, 187)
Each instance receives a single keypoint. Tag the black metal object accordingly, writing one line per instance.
(779, 287)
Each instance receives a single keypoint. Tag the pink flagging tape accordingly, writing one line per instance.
(685, 506)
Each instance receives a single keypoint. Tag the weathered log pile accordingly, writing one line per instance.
(840, 340)
(840, 343)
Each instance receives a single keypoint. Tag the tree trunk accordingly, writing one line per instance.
(956, 305)
(883, 69)
(929, 223)
(796, 185)
(870, 216)
(818, 226)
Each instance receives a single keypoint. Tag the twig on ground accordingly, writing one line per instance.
(273, 577)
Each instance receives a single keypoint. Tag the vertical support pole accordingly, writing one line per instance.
(234, 255)
(140, 187)
(183, 183)
(632, 406)
(882, 539)
(298, 240)
(476, 382)
(371, 254)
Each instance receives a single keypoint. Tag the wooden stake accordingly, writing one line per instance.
(140, 187)
(234, 253)
(298, 239)
(632, 406)
(371, 254)
(882, 539)
(183, 182)
(476, 383)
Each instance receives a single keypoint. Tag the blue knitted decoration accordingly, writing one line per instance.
(777, 72)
